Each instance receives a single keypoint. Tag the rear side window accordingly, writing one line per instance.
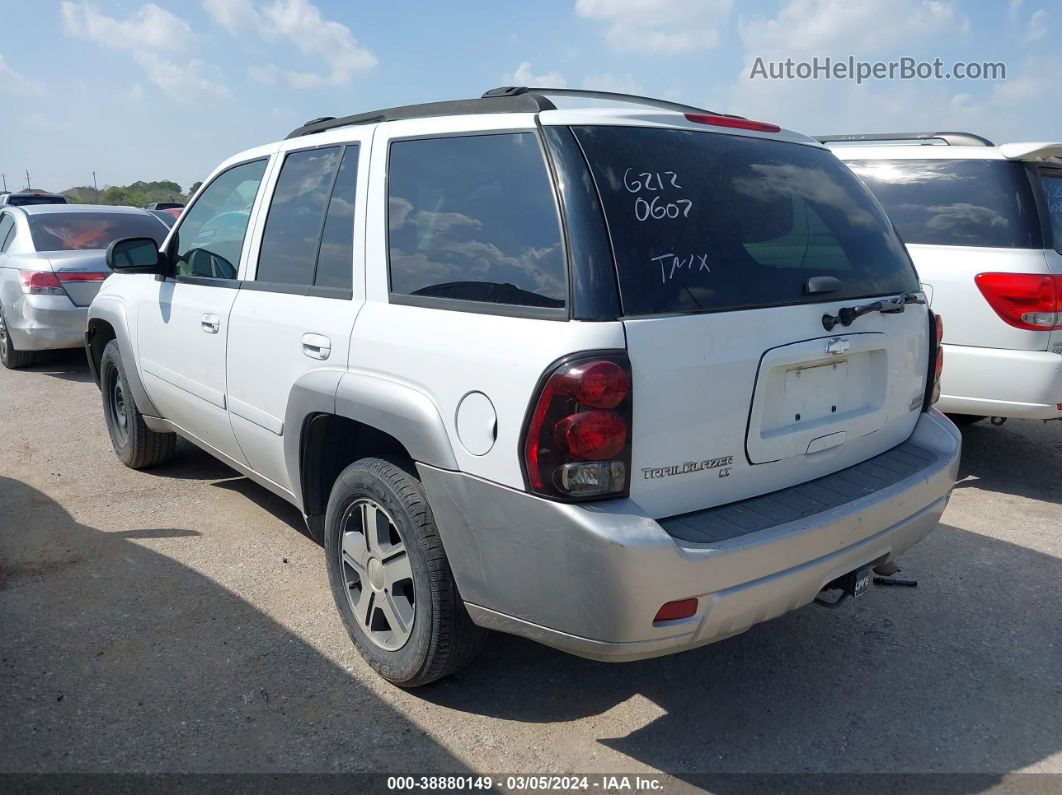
(7, 227)
(955, 202)
(309, 232)
(17, 200)
(1052, 185)
(473, 218)
(68, 231)
(701, 221)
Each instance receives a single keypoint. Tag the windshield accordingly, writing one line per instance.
(702, 221)
(955, 202)
(71, 231)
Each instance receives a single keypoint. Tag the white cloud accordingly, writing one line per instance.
(136, 91)
(13, 82)
(231, 14)
(299, 22)
(150, 28)
(525, 76)
(147, 33)
(185, 81)
(1036, 27)
(841, 27)
(658, 26)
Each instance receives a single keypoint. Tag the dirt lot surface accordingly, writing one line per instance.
(177, 620)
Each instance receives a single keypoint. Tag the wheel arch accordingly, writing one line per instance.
(342, 417)
(107, 321)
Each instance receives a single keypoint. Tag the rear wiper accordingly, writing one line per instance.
(889, 306)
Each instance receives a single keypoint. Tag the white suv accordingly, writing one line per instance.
(983, 224)
(624, 379)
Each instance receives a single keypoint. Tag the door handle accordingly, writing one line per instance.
(210, 323)
(316, 346)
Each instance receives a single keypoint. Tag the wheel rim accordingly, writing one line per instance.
(3, 337)
(377, 574)
(116, 407)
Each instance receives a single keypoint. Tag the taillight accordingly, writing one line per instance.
(40, 283)
(1030, 301)
(936, 361)
(577, 440)
(732, 121)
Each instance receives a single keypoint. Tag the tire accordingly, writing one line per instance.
(367, 574)
(962, 420)
(135, 444)
(11, 357)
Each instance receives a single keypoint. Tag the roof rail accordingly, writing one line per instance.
(515, 91)
(950, 138)
(521, 103)
(507, 99)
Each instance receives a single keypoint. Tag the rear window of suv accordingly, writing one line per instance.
(955, 202)
(701, 221)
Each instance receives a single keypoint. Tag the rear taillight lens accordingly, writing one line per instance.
(40, 283)
(577, 440)
(1030, 301)
(936, 361)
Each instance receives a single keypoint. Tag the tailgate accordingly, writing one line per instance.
(715, 422)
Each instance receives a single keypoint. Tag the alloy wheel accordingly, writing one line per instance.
(377, 574)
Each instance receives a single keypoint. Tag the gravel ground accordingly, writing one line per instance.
(178, 620)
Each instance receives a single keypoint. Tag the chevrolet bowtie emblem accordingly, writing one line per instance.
(835, 346)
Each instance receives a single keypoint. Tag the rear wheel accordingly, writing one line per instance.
(135, 444)
(390, 578)
(10, 357)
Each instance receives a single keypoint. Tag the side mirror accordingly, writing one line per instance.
(135, 255)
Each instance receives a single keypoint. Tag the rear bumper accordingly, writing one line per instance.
(588, 579)
(45, 322)
(996, 382)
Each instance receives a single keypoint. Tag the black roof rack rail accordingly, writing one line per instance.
(507, 99)
(515, 91)
(950, 138)
(521, 103)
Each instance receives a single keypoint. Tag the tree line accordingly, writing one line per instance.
(137, 194)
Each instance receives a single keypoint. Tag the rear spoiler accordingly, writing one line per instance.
(1038, 151)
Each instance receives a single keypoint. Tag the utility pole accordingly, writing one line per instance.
(5, 181)
(96, 187)
(28, 185)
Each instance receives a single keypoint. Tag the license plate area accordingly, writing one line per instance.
(812, 393)
(804, 394)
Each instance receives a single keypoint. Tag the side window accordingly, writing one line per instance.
(335, 261)
(7, 227)
(1052, 185)
(210, 236)
(474, 218)
(296, 215)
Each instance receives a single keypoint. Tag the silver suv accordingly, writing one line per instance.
(624, 378)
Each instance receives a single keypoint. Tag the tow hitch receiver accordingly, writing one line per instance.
(854, 583)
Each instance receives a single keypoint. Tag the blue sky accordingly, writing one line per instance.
(166, 90)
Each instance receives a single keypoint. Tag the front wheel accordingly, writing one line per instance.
(135, 444)
(390, 578)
